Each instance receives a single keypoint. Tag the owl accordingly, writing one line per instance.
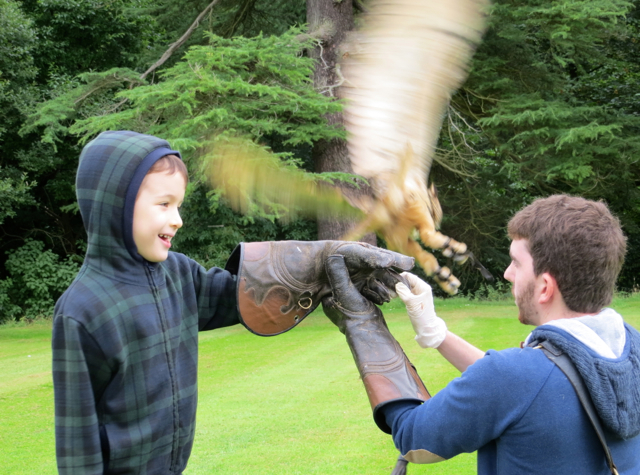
(399, 70)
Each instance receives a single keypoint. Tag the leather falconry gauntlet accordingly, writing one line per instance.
(386, 372)
(280, 283)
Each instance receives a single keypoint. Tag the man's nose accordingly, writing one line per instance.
(508, 273)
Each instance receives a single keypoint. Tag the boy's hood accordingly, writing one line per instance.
(606, 352)
(111, 169)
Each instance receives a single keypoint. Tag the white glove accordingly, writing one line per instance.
(430, 329)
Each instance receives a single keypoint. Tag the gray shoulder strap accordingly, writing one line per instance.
(568, 368)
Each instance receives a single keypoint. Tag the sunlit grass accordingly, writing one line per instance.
(287, 404)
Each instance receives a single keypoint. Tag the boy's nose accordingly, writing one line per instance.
(176, 220)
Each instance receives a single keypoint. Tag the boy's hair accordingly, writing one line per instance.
(579, 242)
(170, 164)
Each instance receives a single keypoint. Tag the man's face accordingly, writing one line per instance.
(156, 215)
(520, 274)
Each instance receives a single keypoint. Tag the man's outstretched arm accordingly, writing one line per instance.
(431, 330)
(459, 352)
(425, 429)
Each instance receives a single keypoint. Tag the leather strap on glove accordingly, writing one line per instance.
(386, 372)
(280, 283)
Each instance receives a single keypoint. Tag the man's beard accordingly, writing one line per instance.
(526, 310)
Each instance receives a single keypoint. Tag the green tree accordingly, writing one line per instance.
(542, 113)
(71, 57)
(550, 106)
(258, 87)
(332, 21)
(37, 277)
(17, 71)
(43, 46)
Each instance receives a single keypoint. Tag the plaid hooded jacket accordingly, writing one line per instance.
(125, 333)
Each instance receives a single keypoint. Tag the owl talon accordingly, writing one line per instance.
(451, 287)
(446, 280)
(460, 258)
(443, 274)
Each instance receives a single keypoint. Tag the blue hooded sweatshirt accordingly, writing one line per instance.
(520, 412)
(125, 333)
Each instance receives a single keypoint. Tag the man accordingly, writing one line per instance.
(516, 407)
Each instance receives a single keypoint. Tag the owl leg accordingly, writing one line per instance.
(418, 213)
(358, 231)
(450, 247)
(375, 221)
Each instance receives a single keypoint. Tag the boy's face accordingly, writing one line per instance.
(156, 214)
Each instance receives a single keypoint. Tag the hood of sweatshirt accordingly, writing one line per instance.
(606, 353)
(110, 172)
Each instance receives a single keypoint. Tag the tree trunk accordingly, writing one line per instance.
(333, 18)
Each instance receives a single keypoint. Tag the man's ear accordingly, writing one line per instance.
(549, 288)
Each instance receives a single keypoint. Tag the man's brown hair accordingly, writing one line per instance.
(170, 164)
(579, 242)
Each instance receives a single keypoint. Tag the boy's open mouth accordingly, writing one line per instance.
(165, 238)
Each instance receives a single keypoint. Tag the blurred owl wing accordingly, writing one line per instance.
(255, 180)
(400, 69)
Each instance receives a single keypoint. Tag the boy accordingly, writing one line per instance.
(125, 335)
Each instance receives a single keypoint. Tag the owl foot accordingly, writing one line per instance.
(446, 280)
(455, 250)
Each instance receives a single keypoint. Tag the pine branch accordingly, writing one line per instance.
(241, 15)
(187, 34)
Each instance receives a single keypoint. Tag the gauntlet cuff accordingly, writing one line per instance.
(280, 283)
(386, 372)
(271, 297)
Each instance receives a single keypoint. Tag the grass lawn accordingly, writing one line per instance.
(290, 404)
